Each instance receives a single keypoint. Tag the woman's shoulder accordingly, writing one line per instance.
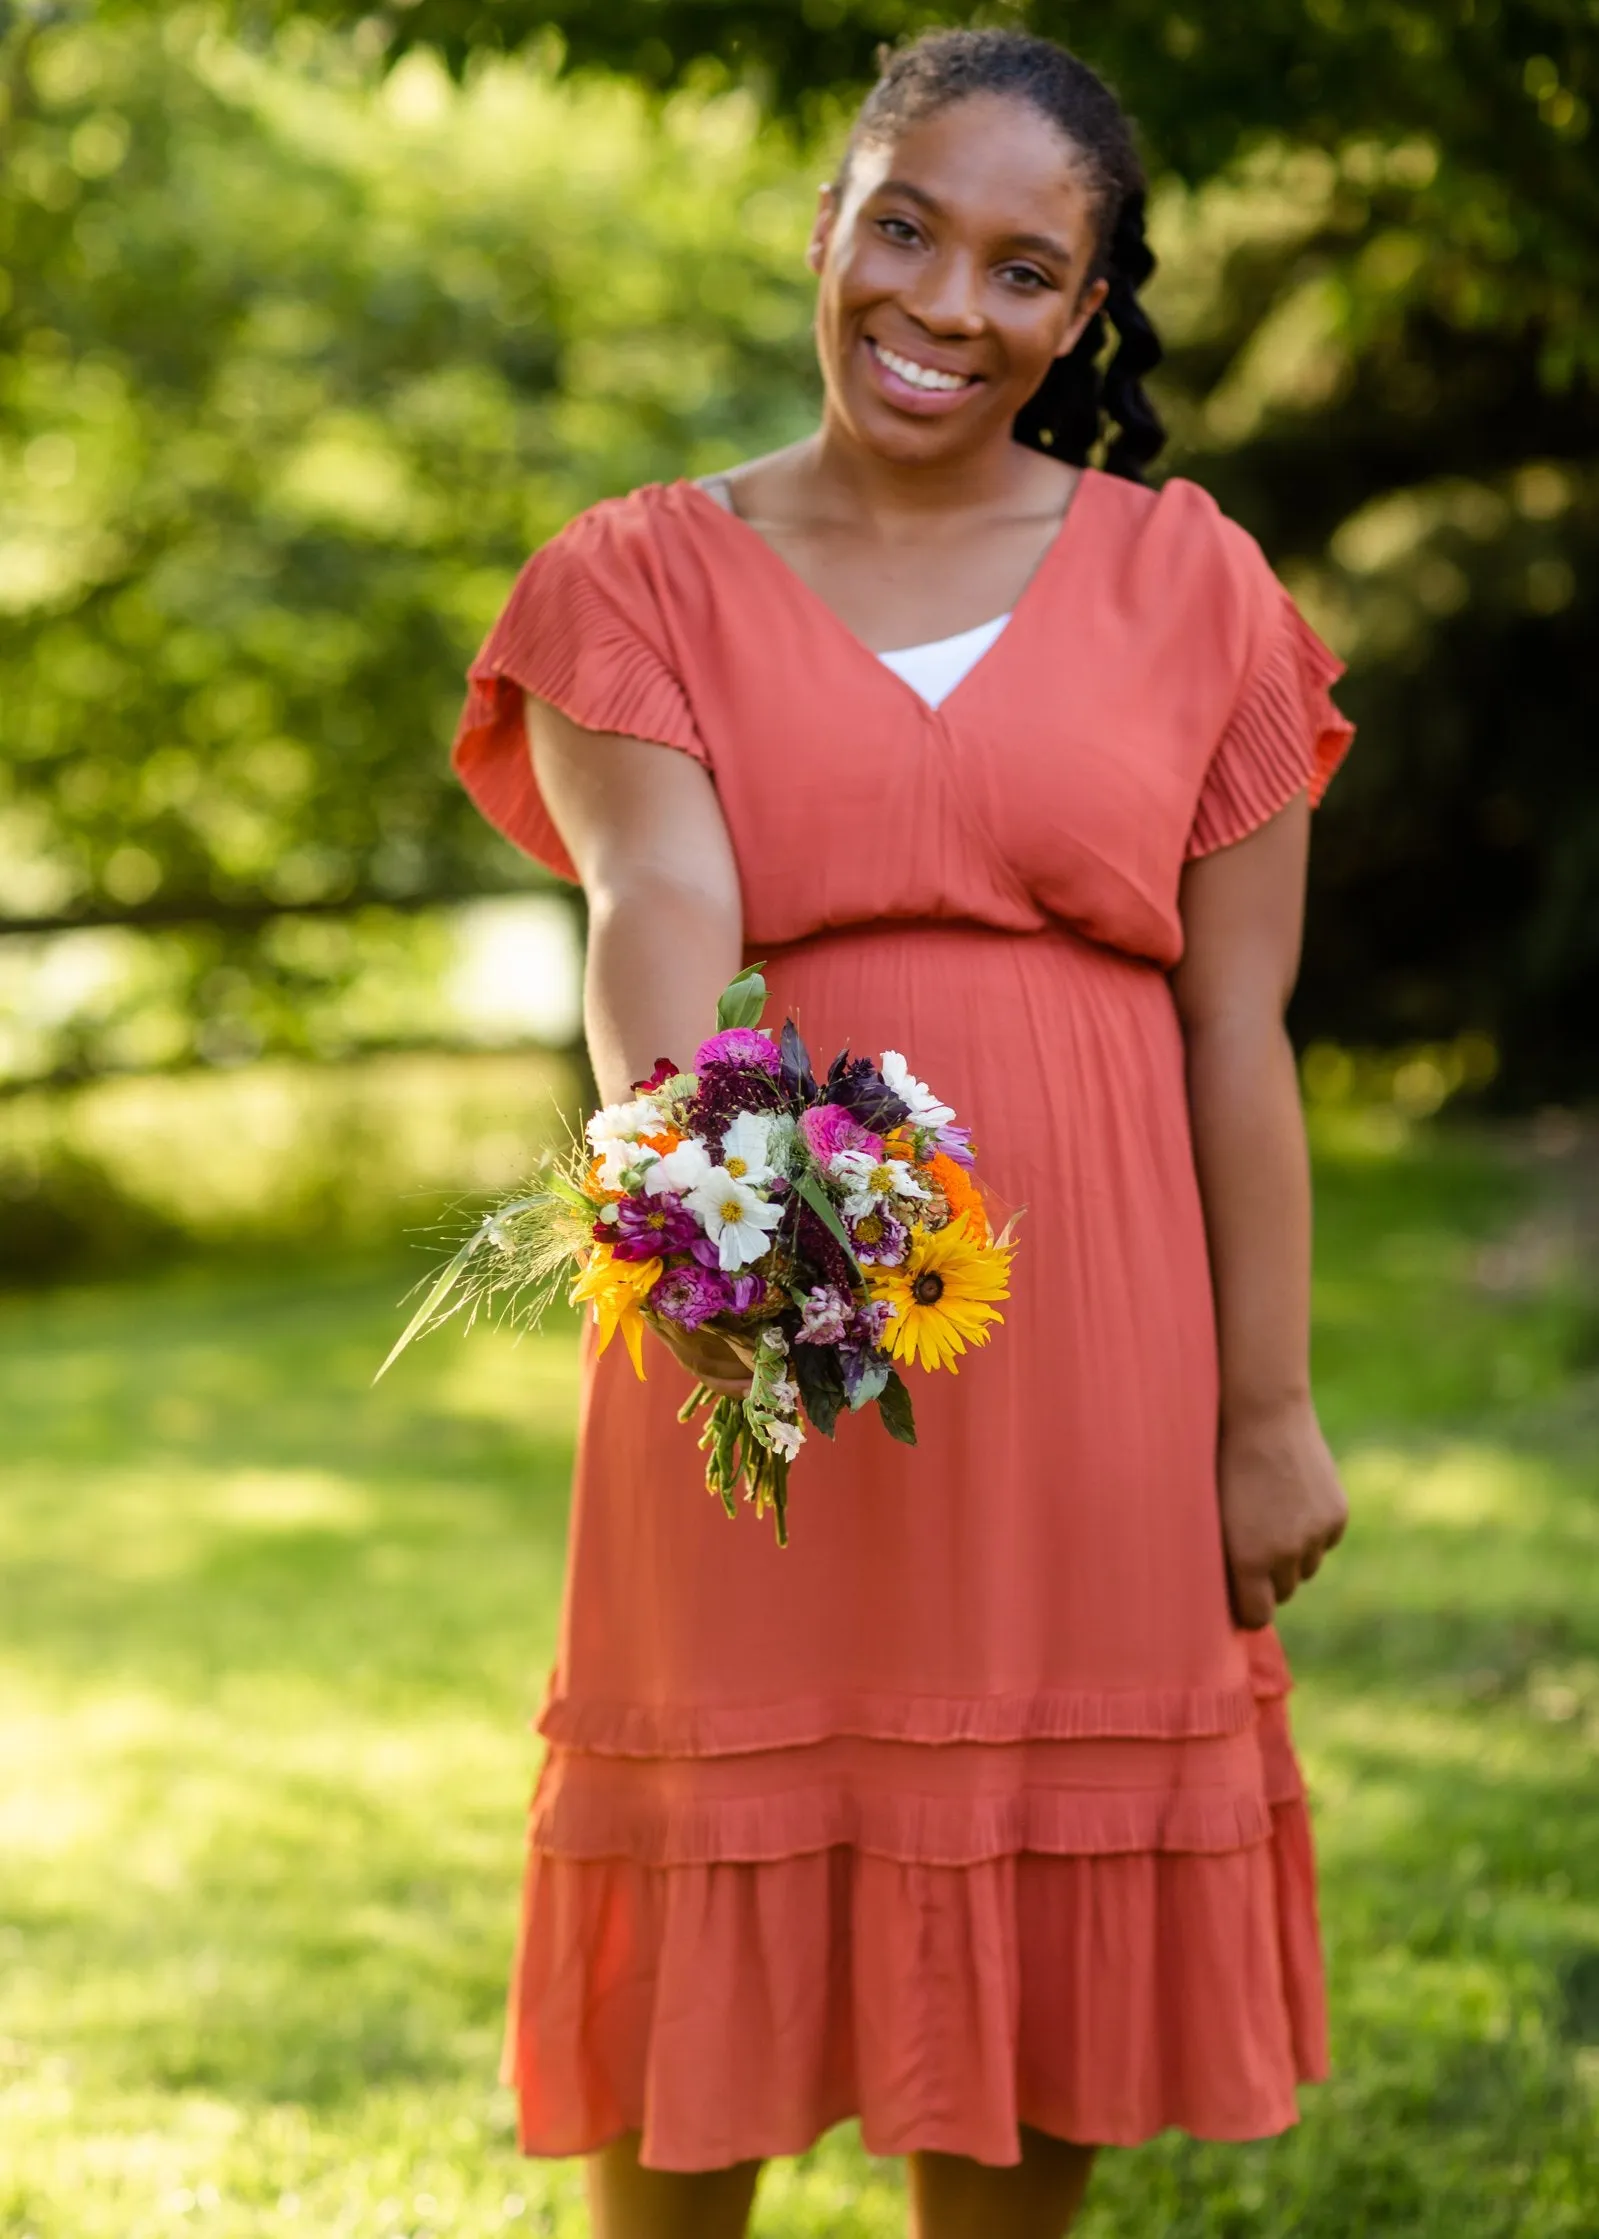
(631, 521)
(1178, 533)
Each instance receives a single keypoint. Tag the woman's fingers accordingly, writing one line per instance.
(1285, 1577)
(1252, 1598)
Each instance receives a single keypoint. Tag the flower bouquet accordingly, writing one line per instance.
(829, 1230)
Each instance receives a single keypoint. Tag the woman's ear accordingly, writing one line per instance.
(822, 229)
(1089, 303)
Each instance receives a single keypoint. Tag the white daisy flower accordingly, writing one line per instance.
(925, 1109)
(747, 1148)
(869, 1182)
(619, 1159)
(680, 1170)
(736, 1220)
(622, 1123)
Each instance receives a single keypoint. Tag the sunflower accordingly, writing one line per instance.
(943, 1294)
(616, 1290)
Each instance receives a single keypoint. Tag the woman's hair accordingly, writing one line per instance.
(1070, 410)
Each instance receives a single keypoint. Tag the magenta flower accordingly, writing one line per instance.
(744, 1047)
(665, 1070)
(829, 1129)
(749, 1291)
(645, 1226)
(689, 1295)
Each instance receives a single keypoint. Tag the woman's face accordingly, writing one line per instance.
(953, 270)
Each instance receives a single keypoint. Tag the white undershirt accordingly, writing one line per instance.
(933, 670)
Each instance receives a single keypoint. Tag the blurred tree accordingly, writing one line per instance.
(297, 366)
(243, 291)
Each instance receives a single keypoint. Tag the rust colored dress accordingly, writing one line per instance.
(973, 1808)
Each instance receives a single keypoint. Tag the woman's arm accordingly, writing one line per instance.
(1243, 908)
(645, 830)
(646, 834)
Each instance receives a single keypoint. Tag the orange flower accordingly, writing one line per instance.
(667, 1140)
(596, 1189)
(961, 1191)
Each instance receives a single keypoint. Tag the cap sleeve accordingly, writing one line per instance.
(1284, 736)
(583, 629)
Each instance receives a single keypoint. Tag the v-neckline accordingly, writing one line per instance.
(836, 622)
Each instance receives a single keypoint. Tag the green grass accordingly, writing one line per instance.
(271, 1641)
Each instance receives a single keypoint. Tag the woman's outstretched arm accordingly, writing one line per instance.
(645, 830)
(1243, 910)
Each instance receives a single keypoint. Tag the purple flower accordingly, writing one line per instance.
(829, 1129)
(865, 1371)
(647, 1225)
(742, 1046)
(748, 1291)
(689, 1295)
(825, 1316)
(879, 1239)
(956, 1142)
(870, 1323)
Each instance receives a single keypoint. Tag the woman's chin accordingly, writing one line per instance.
(909, 438)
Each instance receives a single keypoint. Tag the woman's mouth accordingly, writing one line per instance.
(913, 385)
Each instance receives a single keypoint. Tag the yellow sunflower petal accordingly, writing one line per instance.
(945, 1293)
(614, 1290)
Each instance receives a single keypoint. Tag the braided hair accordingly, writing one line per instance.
(1079, 403)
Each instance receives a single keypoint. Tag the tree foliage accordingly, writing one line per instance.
(303, 350)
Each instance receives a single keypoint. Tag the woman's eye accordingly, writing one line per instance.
(897, 229)
(1023, 276)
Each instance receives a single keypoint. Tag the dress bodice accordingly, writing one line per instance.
(1154, 694)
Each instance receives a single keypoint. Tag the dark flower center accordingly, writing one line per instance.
(927, 1290)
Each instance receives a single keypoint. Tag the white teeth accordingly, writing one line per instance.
(919, 376)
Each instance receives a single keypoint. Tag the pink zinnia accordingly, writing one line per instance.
(690, 1295)
(742, 1046)
(829, 1129)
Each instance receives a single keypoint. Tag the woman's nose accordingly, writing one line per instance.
(945, 298)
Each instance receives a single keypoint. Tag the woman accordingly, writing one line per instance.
(974, 1813)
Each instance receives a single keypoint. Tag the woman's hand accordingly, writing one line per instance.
(721, 1364)
(1282, 1507)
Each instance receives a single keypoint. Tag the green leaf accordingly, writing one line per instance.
(826, 1212)
(899, 1417)
(816, 1372)
(742, 1000)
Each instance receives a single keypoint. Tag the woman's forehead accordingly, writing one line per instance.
(984, 154)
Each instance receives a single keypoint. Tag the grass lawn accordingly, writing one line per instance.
(270, 1643)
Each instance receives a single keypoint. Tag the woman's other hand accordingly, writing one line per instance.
(1282, 1508)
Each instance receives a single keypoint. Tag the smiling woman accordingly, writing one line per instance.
(975, 1814)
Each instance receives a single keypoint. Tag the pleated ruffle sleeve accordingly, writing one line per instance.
(585, 629)
(1285, 736)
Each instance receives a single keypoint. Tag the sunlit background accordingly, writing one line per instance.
(313, 321)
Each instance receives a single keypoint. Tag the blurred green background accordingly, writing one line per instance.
(313, 320)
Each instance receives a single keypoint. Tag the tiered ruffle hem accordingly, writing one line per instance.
(1098, 1937)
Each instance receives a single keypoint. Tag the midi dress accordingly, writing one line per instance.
(972, 1808)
